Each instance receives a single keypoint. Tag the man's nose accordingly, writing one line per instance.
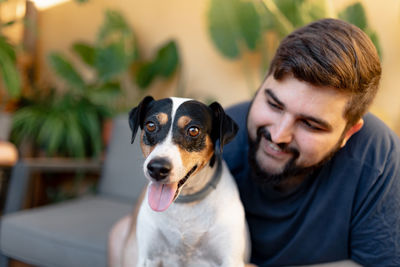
(282, 132)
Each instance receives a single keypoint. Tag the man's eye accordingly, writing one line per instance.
(150, 126)
(274, 105)
(311, 126)
(193, 131)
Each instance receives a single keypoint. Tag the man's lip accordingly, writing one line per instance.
(273, 150)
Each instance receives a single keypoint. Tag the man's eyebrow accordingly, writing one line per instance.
(323, 124)
(274, 97)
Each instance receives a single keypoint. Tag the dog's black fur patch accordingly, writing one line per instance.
(161, 132)
(201, 117)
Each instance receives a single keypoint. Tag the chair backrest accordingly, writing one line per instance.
(122, 174)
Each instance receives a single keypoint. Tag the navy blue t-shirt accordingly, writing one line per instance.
(349, 210)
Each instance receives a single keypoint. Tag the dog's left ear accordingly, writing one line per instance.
(224, 128)
(136, 116)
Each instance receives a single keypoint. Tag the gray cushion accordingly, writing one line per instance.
(72, 233)
(122, 175)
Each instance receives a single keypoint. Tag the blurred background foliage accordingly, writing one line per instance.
(69, 121)
(67, 118)
(237, 26)
(9, 75)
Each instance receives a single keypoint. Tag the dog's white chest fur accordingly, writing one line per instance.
(208, 233)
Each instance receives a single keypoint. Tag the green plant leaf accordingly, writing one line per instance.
(311, 10)
(86, 52)
(91, 124)
(114, 23)
(51, 134)
(375, 39)
(8, 23)
(110, 61)
(104, 95)
(291, 10)
(9, 74)
(26, 123)
(65, 70)
(75, 144)
(355, 14)
(167, 59)
(145, 74)
(7, 48)
(222, 28)
(249, 23)
(279, 22)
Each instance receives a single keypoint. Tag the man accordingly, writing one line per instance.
(322, 180)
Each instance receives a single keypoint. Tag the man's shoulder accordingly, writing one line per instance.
(238, 111)
(374, 144)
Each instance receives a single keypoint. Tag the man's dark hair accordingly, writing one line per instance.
(334, 53)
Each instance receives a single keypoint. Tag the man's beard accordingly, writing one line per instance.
(291, 169)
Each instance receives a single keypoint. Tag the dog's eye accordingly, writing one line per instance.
(150, 126)
(193, 131)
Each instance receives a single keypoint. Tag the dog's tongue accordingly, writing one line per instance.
(161, 195)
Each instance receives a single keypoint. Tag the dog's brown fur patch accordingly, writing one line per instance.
(146, 150)
(183, 121)
(189, 159)
(162, 118)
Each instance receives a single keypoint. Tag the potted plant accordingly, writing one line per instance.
(68, 121)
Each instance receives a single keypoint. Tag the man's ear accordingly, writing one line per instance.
(136, 116)
(353, 129)
(224, 128)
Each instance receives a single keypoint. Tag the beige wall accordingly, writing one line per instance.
(206, 74)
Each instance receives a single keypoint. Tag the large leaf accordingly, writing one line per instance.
(114, 23)
(312, 10)
(249, 23)
(65, 70)
(86, 52)
(223, 29)
(355, 14)
(91, 125)
(105, 94)
(9, 74)
(145, 74)
(51, 134)
(375, 39)
(167, 59)
(110, 61)
(7, 48)
(75, 143)
(26, 123)
(291, 10)
(278, 21)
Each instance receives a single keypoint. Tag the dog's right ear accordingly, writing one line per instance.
(224, 127)
(136, 115)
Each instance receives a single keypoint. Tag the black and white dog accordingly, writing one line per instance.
(193, 215)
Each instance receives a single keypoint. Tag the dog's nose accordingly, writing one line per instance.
(159, 168)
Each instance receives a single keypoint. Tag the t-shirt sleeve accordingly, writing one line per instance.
(375, 226)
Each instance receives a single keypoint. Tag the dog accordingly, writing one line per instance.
(193, 215)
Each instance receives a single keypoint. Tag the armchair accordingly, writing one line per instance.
(74, 232)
